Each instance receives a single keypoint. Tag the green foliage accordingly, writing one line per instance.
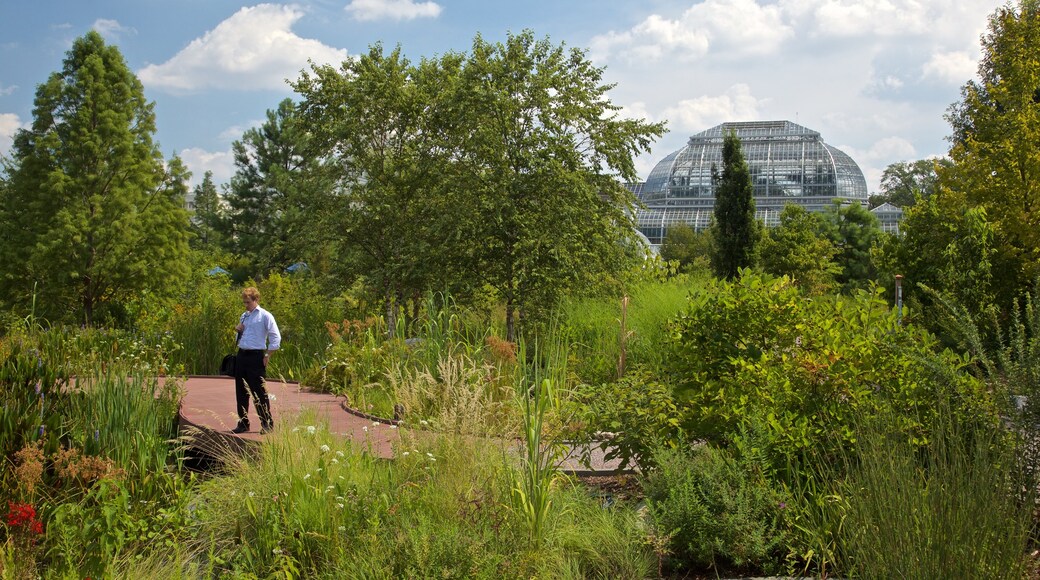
(953, 508)
(640, 413)
(720, 511)
(92, 215)
(532, 496)
(735, 233)
(756, 351)
(853, 230)
(795, 248)
(996, 124)
(691, 249)
(904, 182)
(944, 244)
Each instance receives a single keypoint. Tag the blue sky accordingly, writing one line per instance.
(874, 77)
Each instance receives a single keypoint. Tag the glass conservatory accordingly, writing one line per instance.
(788, 164)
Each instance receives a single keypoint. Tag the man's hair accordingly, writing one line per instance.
(251, 293)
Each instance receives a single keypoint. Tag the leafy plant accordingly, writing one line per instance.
(720, 511)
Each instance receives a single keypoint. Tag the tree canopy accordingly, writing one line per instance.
(735, 231)
(498, 169)
(92, 214)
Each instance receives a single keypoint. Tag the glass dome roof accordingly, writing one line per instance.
(788, 163)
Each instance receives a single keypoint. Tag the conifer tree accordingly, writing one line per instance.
(735, 231)
(92, 215)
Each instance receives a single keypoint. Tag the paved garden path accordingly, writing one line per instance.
(208, 414)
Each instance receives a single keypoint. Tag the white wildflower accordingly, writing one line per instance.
(339, 453)
(424, 422)
(405, 454)
(307, 476)
(251, 494)
(334, 461)
(271, 397)
(324, 448)
(365, 428)
(339, 506)
(311, 429)
(342, 528)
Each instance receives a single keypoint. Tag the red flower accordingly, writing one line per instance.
(23, 515)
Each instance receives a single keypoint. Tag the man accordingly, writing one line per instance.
(258, 337)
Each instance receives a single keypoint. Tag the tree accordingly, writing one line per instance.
(691, 249)
(262, 224)
(378, 121)
(735, 231)
(543, 154)
(950, 247)
(996, 128)
(207, 221)
(93, 215)
(905, 181)
(795, 248)
(853, 230)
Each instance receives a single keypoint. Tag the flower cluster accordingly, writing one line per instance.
(23, 515)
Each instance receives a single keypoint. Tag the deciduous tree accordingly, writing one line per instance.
(544, 153)
(996, 129)
(796, 248)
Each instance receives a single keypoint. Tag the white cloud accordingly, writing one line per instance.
(199, 161)
(736, 104)
(9, 125)
(881, 154)
(392, 9)
(111, 29)
(732, 27)
(235, 132)
(956, 67)
(255, 48)
(636, 110)
(4, 91)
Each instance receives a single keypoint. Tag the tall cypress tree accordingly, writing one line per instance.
(92, 215)
(735, 231)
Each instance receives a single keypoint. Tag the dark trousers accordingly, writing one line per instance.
(250, 371)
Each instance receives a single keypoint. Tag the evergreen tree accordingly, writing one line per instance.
(735, 231)
(207, 220)
(853, 230)
(92, 215)
(261, 216)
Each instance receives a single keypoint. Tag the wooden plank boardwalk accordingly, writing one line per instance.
(207, 415)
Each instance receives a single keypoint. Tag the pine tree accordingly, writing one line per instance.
(735, 231)
(92, 215)
(207, 221)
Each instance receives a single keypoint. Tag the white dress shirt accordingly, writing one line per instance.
(260, 327)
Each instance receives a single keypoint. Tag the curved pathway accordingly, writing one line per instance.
(208, 414)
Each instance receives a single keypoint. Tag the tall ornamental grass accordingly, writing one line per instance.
(312, 505)
(593, 325)
(959, 506)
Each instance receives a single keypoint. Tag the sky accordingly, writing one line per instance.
(874, 77)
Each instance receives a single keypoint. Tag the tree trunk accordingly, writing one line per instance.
(391, 314)
(510, 326)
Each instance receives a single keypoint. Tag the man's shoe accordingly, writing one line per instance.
(242, 427)
(266, 428)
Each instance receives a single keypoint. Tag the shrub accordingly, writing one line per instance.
(637, 413)
(719, 510)
(755, 350)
